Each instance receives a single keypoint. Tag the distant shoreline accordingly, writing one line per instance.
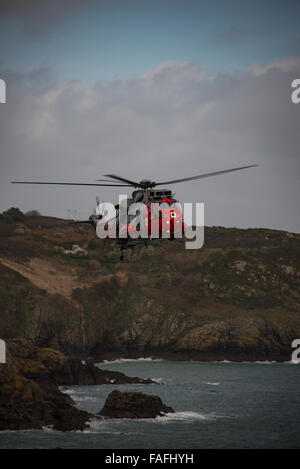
(200, 357)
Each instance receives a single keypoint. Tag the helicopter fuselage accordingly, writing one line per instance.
(160, 216)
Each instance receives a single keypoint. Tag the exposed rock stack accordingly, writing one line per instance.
(133, 405)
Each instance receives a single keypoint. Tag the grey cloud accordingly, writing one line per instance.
(176, 120)
(39, 16)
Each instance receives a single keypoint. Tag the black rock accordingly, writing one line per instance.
(133, 405)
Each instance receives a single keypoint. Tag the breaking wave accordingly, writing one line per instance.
(159, 380)
(186, 416)
(259, 362)
(112, 426)
(128, 360)
(77, 395)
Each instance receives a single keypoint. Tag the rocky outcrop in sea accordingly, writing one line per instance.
(133, 405)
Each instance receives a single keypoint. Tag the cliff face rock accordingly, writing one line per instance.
(237, 297)
(49, 367)
(239, 339)
(133, 405)
(24, 404)
(29, 394)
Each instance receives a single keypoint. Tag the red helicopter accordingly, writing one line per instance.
(157, 214)
(162, 213)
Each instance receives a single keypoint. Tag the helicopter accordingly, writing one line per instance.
(162, 213)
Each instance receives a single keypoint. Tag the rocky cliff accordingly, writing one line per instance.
(30, 397)
(237, 298)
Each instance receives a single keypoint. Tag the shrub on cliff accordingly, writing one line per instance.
(32, 213)
(11, 215)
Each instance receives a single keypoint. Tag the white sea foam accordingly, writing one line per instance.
(290, 362)
(83, 398)
(77, 395)
(150, 359)
(158, 380)
(68, 391)
(71, 391)
(49, 429)
(212, 384)
(107, 425)
(185, 416)
(265, 362)
(128, 360)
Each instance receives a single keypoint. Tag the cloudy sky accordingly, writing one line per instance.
(156, 89)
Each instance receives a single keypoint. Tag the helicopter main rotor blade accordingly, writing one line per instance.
(118, 178)
(70, 184)
(105, 180)
(216, 173)
(130, 183)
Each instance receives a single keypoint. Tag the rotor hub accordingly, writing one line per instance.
(145, 183)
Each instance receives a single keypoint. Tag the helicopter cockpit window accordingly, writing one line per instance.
(164, 206)
(176, 206)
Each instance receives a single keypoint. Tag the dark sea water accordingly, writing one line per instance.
(217, 405)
